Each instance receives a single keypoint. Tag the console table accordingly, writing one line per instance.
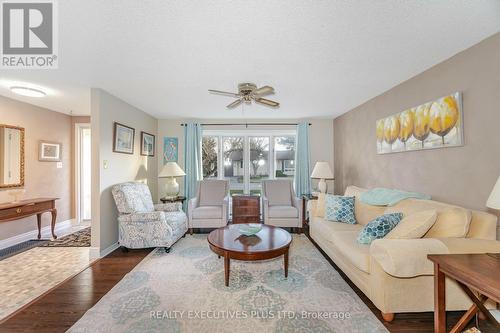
(25, 208)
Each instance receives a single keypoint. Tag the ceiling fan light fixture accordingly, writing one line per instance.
(248, 92)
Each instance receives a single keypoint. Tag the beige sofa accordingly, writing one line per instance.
(395, 273)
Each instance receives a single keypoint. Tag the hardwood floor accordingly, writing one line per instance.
(62, 307)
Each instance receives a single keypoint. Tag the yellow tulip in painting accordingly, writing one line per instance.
(430, 125)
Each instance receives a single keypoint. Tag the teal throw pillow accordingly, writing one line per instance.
(339, 209)
(379, 227)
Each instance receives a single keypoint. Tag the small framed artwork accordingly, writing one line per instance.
(170, 149)
(49, 151)
(147, 144)
(123, 139)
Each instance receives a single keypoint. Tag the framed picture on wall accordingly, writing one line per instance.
(123, 139)
(147, 144)
(49, 151)
(170, 149)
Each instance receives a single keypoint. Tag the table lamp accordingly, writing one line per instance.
(170, 171)
(494, 199)
(322, 171)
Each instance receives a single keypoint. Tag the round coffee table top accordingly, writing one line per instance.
(268, 239)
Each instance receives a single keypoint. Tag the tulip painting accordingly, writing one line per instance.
(434, 124)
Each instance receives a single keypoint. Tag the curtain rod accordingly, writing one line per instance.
(250, 124)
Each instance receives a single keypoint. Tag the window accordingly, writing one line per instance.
(246, 159)
(210, 156)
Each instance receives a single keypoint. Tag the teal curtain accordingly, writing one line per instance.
(302, 179)
(192, 159)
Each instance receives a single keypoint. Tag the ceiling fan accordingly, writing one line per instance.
(248, 92)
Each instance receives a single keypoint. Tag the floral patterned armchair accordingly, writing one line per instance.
(143, 224)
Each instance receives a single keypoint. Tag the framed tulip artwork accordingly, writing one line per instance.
(435, 124)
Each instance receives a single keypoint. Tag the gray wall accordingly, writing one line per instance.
(463, 175)
(107, 109)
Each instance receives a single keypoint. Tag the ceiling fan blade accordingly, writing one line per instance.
(225, 93)
(265, 90)
(267, 102)
(235, 103)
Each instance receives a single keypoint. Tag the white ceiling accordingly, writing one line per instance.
(322, 57)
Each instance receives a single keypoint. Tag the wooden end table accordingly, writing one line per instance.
(473, 273)
(180, 199)
(270, 242)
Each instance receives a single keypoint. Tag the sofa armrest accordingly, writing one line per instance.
(297, 203)
(265, 208)
(192, 204)
(408, 257)
(143, 217)
(225, 208)
(169, 207)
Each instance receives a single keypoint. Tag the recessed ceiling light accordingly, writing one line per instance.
(25, 91)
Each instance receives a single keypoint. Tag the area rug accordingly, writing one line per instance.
(183, 291)
(77, 239)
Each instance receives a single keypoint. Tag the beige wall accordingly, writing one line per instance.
(107, 109)
(42, 179)
(321, 139)
(463, 175)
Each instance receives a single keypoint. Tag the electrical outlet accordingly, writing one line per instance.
(59, 165)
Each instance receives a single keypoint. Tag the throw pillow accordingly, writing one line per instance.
(414, 225)
(451, 223)
(379, 227)
(339, 209)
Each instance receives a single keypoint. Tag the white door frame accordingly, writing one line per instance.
(78, 168)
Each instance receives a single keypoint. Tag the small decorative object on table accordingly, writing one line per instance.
(170, 171)
(249, 229)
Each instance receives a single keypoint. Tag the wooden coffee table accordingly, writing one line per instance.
(270, 242)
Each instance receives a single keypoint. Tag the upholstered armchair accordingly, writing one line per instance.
(210, 207)
(281, 207)
(143, 224)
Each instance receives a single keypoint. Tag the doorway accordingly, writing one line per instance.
(83, 173)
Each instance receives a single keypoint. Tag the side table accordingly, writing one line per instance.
(305, 199)
(180, 199)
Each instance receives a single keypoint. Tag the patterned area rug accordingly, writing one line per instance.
(183, 291)
(78, 239)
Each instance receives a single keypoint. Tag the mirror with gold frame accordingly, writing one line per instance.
(11, 156)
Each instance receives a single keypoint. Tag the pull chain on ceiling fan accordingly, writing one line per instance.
(248, 92)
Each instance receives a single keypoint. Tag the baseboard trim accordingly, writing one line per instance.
(109, 249)
(60, 226)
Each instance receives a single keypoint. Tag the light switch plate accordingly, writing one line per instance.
(59, 165)
(105, 164)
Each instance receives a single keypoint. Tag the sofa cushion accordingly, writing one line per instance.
(364, 213)
(414, 225)
(357, 254)
(207, 212)
(212, 192)
(278, 192)
(328, 228)
(283, 211)
(452, 222)
(339, 209)
(379, 227)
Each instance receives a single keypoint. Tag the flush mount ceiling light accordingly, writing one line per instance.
(25, 91)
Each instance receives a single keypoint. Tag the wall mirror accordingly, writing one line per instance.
(11, 156)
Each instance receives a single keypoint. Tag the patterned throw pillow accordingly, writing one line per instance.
(339, 209)
(379, 227)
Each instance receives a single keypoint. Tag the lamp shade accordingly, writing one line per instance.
(322, 171)
(494, 199)
(171, 169)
